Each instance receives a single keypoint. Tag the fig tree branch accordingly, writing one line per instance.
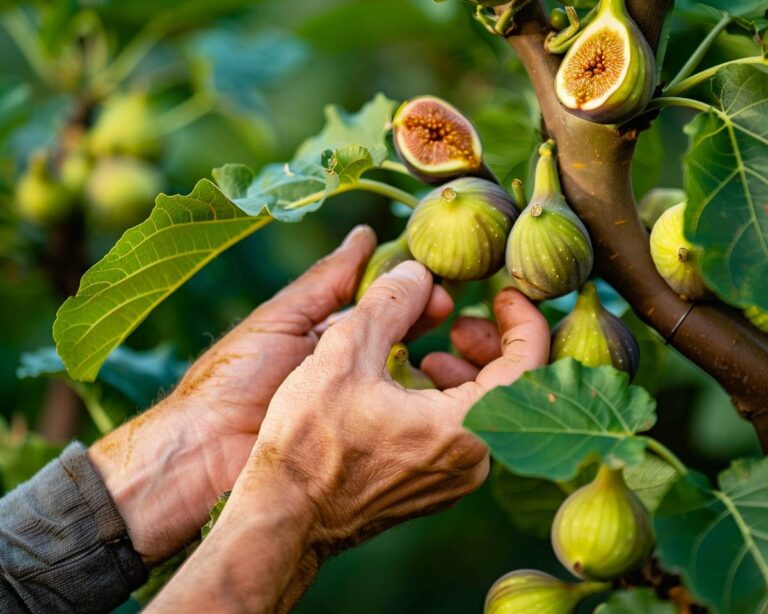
(595, 163)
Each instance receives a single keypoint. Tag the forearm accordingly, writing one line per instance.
(258, 558)
(155, 467)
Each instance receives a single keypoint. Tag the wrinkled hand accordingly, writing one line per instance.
(366, 453)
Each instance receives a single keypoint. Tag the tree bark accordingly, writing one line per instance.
(595, 164)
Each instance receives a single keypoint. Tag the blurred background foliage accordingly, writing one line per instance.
(245, 81)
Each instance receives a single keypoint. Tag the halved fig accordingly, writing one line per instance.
(435, 141)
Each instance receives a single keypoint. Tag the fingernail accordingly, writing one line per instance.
(353, 234)
(410, 269)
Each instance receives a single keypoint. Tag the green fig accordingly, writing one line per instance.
(459, 230)
(549, 253)
(528, 591)
(594, 336)
(386, 257)
(657, 201)
(74, 171)
(41, 199)
(602, 531)
(403, 372)
(126, 125)
(121, 191)
(757, 317)
(435, 141)
(609, 73)
(676, 259)
(558, 19)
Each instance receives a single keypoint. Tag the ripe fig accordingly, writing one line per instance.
(657, 201)
(602, 531)
(549, 253)
(528, 590)
(757, 317)
(41, 199)
(459, 230)
(126, 125)
(403, 372)
(436, 142)
(386, 257)
(594, 336)
(609, 73)
(676, 259)
(121, 191)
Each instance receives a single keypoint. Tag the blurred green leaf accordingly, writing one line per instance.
(727, 184)
(719, 538)
(22, 454)
(553, 420)
(13, 107)
(214, 514)
(649, 160)
(713, 9)
(635, 601)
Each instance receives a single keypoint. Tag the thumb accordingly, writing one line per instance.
(326, 287)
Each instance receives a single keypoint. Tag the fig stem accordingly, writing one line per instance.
(664, 453)
(700, 52)
(368, 185)
(395, 167)
(130, 57)
(518, 193)
(686, 84)
(184, 113)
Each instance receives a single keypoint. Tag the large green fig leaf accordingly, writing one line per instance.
(719, 538)
(726, 180)
(635, 601)
(555, 419)
(184, 233)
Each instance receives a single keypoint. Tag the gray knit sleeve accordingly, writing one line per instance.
(63, 545)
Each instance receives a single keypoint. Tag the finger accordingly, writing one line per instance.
(447, 370)
(438, 309)
(391, 305)
(476, 339)
(524, 340)
(326, 287)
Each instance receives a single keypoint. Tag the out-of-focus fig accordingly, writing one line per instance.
(74, 171)
(41, 199)
(676, 259)
(459, 230)
(594, 336)
(549, 253)
(609, 73)
(126, 125)
(435, 141)
(602, 531)
(121, 191)
(757, 317)
(403, 372)
(530, 591)
(386, 257)
(657, 201)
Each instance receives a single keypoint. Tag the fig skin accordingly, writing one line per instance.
(594, 336)
(459, 230)
(386, 257)
(602, 531)
(676, 259)
(549, 253)
(436, 142)
(757, 317)
(657, 201)
(529, 590)
(612, 56)
(404, 373)
(40, 199)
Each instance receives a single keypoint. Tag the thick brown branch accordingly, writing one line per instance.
(595, 163)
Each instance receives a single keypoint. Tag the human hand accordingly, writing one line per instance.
(166, 467)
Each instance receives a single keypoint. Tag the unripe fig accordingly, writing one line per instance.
(459, 230)
(594, 336)
(602, 531)
(121, 191)
(676, 259)
(435, 141)
(126, 125)
(757, 317)
(531, 591)
(386, 257)
(549, 253)
(39, 198)
(657, 201)
(403, 372)
(558, 19)
(609, 73)
(74, 171)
